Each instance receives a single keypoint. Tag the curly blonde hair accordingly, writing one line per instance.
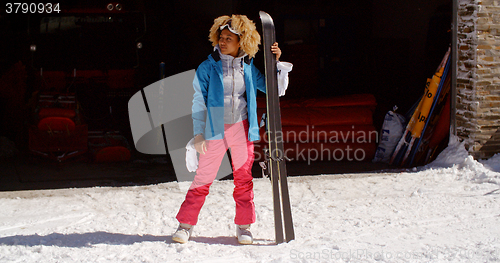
(249, 37)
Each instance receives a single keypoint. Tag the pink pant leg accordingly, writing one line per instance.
(208, 167)
(242, 155)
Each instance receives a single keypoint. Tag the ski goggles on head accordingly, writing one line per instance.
(229, 27)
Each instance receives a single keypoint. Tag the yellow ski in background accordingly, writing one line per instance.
(417, 122)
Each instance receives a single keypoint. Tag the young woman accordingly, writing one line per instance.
(225, 116)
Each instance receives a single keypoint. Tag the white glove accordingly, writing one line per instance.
(283, 69)
(191, 157)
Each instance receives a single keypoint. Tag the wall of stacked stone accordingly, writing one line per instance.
(478, 78)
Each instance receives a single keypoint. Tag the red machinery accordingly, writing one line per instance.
(86, 57)
(58, 132)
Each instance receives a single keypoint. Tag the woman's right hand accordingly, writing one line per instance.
(200, 144)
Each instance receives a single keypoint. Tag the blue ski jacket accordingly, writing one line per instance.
(208, 99)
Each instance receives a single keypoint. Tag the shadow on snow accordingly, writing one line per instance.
(89, 239)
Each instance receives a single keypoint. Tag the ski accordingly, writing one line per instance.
(416, 124)
(436, 101)
(275, 154)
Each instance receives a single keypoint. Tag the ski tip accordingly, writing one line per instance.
(263, 14)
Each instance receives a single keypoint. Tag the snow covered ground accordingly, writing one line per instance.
(448, 211)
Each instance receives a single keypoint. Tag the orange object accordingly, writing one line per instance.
(327, 129)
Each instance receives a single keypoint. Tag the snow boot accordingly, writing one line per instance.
(244, 235)
(183, 233)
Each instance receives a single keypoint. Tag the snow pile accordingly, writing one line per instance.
(493, 163)
(447, 211)
(454, 154)
(459, 163)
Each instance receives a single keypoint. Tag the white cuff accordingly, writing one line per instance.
(283, 69)
(191, 157)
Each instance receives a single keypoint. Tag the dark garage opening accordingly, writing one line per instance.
(384, 48)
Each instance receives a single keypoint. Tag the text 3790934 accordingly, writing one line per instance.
(32, 8)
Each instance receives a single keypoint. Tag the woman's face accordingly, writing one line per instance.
(229, 43)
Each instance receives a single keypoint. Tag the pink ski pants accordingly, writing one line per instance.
(242, 155)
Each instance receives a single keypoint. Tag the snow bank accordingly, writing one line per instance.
(454, 154)
(457, 161)
(493, 163)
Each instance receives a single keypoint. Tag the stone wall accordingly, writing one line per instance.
(478, 78)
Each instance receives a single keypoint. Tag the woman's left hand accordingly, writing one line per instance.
(276, 50)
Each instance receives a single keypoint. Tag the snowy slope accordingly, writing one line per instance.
(448, 211)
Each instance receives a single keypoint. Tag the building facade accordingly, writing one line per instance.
(477, 113)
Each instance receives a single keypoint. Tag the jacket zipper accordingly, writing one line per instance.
(232, 95)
